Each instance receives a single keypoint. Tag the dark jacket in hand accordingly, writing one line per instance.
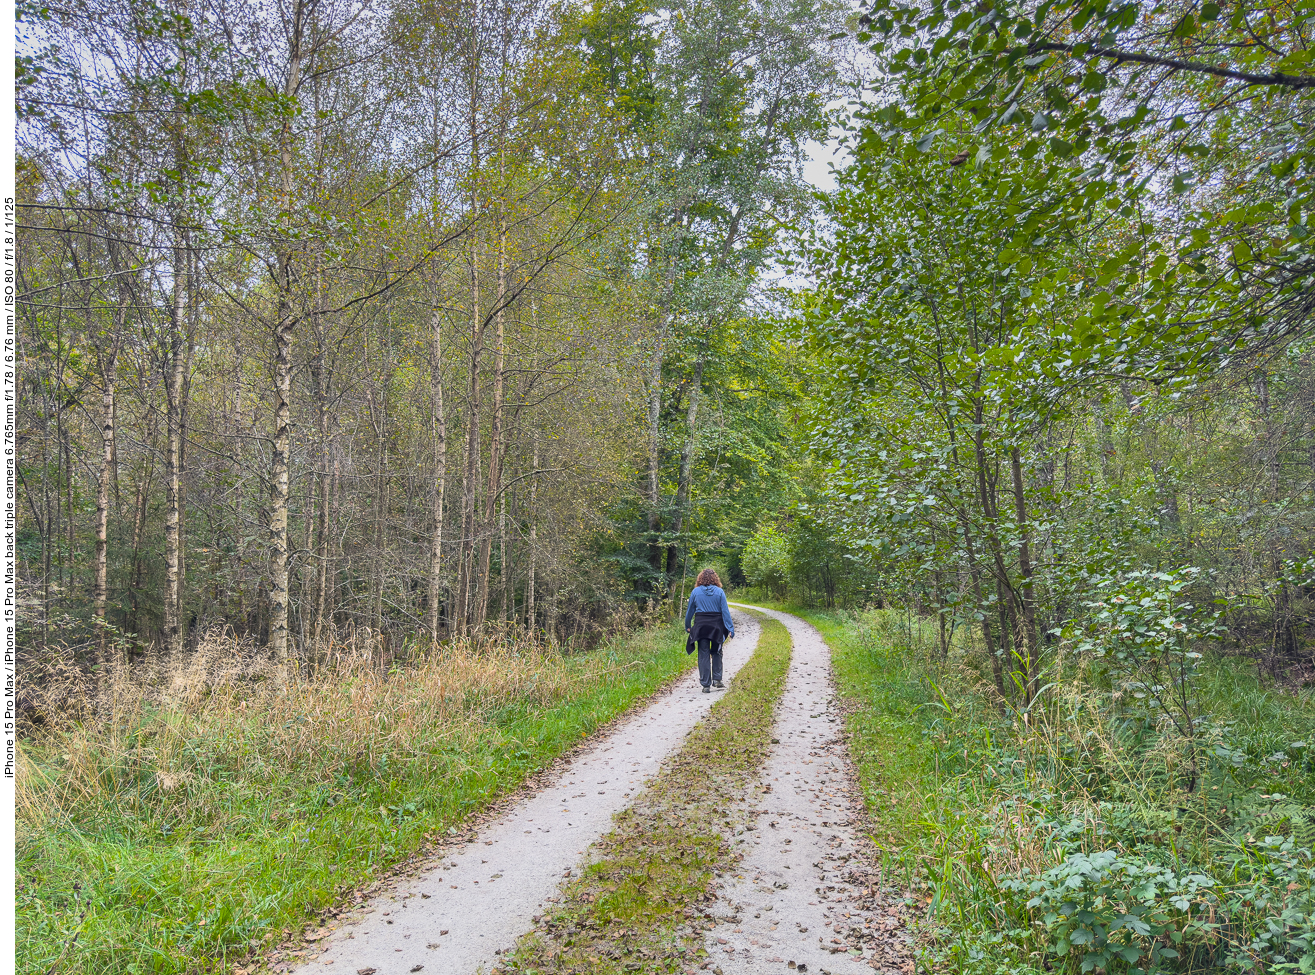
(708, 617)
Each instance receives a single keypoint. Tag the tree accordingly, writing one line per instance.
(947, 332)
(766, 560)
(1190, 120)
(722, 97)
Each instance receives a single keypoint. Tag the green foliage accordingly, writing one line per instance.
(1276, 818)
(766, 560)
(1025, 867)
(1149, 640)
(823, 570)
(1108, 908)
(1144, 99)
(623, 57)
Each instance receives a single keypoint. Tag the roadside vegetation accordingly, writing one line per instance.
(1056, 449)
(1062, 837)
(639, 906)
(199, 810)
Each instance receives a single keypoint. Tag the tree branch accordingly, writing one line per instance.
(1276, 78)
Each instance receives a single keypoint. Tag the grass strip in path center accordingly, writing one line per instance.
(639, 906)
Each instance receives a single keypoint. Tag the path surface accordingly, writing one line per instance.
(472, 904)
(805, 893)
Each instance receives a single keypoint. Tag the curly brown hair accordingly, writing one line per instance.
(708, 578)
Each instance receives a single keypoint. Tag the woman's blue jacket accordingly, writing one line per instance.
(709, 599)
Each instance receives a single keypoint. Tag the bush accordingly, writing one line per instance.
(1111, 907)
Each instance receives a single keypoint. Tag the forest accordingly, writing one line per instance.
(409, 318)
(412, 327)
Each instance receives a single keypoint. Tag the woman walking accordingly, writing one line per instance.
(708, 623)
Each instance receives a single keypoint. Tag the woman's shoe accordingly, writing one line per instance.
(718, 684)
(707, 690)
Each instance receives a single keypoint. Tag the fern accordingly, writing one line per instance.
(1288, 819)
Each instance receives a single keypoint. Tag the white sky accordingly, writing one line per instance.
(822, 156)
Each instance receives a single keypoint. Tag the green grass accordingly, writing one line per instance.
(133, 860)
(638, 905)
(962, 797)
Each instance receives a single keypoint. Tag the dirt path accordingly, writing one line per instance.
(471, 904)
(805, 896)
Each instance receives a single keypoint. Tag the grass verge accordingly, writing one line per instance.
(638, 906)
(1059, 843)
(202, 815)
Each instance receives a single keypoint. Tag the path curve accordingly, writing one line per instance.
(470, 904)
(805, 896)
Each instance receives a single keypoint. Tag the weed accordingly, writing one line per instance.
(182, 814)
(1087, 833)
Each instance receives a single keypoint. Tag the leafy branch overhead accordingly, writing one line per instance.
(1199, 109)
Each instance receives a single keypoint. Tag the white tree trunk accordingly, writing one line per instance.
(283, 332)
(173, 634)
(439, 421)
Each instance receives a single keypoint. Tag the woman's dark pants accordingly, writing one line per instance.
(709, 662)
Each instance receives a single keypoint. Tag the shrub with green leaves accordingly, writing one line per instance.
(1107, 907)
(1270, 907)
(1148, 637)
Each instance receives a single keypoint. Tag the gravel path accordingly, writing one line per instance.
(805, 897)
(471, 904)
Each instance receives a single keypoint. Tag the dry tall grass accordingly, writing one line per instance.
(147, 728)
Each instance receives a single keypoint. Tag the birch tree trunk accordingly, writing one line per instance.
(184, 411)
(380, 512)
(108, 380)
(471, 457)
(174, 363)
(471, 472)
(321, 386)
(529, 572)
(279, 486)
(494, 485)
(439, 421)
(141, 499)
(503, 575)
(283, 333)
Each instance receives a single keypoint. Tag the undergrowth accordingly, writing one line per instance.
(1065, 838)
(639, 905)
(197, 810)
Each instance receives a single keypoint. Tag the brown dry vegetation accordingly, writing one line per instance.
(179, 812)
